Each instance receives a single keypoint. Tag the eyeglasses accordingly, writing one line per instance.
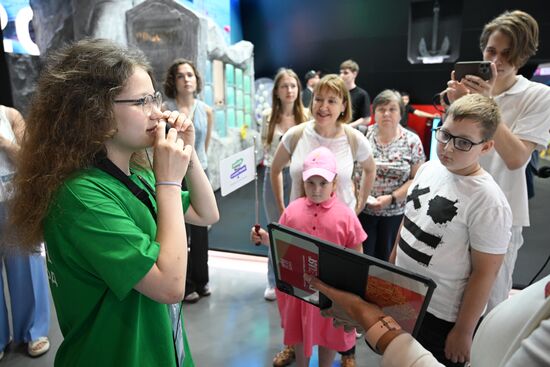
(459, 143)
(147, 103)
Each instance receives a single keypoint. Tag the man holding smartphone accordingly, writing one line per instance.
(507, 42)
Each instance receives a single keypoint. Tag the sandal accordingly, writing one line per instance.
(39, 346)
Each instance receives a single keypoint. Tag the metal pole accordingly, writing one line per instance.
(257, 201)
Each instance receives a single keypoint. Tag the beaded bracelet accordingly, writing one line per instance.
(167, 183)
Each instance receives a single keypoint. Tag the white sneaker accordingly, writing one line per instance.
(192, 298)
(269, 294)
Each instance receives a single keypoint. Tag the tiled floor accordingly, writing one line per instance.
(234, 327)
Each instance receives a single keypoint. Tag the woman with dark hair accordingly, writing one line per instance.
(286, 111)
(182, 85)
(112, 222)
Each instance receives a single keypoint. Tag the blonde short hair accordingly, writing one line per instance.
(335, 84)
(478, 108)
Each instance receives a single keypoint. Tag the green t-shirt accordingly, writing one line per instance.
(100, 242)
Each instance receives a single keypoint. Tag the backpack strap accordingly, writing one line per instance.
(296, 135)
(352, 140)
(350, 135)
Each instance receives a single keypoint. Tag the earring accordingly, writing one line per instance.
(342, 114)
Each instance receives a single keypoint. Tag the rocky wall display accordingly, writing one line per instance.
(23, 70)
(163, 30)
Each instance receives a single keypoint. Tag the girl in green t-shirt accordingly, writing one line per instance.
(112, 221)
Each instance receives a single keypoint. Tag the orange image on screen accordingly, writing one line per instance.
(402, 304)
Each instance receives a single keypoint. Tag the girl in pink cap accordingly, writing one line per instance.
(321, 214)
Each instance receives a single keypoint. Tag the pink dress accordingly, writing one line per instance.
(303, 324)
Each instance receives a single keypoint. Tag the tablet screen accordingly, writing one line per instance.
(294, 257)
(397, 295)
(400, 293)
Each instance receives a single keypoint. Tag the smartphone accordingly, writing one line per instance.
(481, 69)
(167, 127)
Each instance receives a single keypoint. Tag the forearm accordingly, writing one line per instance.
(359, 121)
(201, 194)
(514, 151)
(393, 254)
(405, 351)
(476, 295)
(400, 193)
(209, 125)
(424, 114)
(172, 237)
(11, 148)
(367, 181)
(276, 178)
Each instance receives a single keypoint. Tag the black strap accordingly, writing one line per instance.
(109, 167)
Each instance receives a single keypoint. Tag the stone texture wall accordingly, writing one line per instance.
(141, 23)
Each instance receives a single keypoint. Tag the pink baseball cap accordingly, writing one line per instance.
(320, 162)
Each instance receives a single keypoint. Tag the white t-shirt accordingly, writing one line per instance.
(446, 215)
(341, 149)
(524, 110)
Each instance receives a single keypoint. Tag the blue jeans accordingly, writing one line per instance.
(272, 212)
(28, 290)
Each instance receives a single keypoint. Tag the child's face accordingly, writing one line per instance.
(459, 161)
(135, 129)
(318, 189)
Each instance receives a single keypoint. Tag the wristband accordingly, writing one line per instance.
(446, 99)
(376, 331)
(393, 198)
(168, 183)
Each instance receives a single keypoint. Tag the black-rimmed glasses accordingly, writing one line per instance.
(147, 103)
(459, 143)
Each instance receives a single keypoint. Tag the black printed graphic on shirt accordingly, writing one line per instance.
(441, 210)
(415, 195)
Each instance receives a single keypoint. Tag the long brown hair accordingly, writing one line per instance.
(277, 106)
(70, 119)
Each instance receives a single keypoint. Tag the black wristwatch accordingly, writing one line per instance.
(393, 199)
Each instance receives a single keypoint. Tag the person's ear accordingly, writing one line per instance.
(487, 146)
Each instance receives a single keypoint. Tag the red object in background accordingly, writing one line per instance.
(422, 125)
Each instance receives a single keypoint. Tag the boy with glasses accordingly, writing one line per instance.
(456, 228)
